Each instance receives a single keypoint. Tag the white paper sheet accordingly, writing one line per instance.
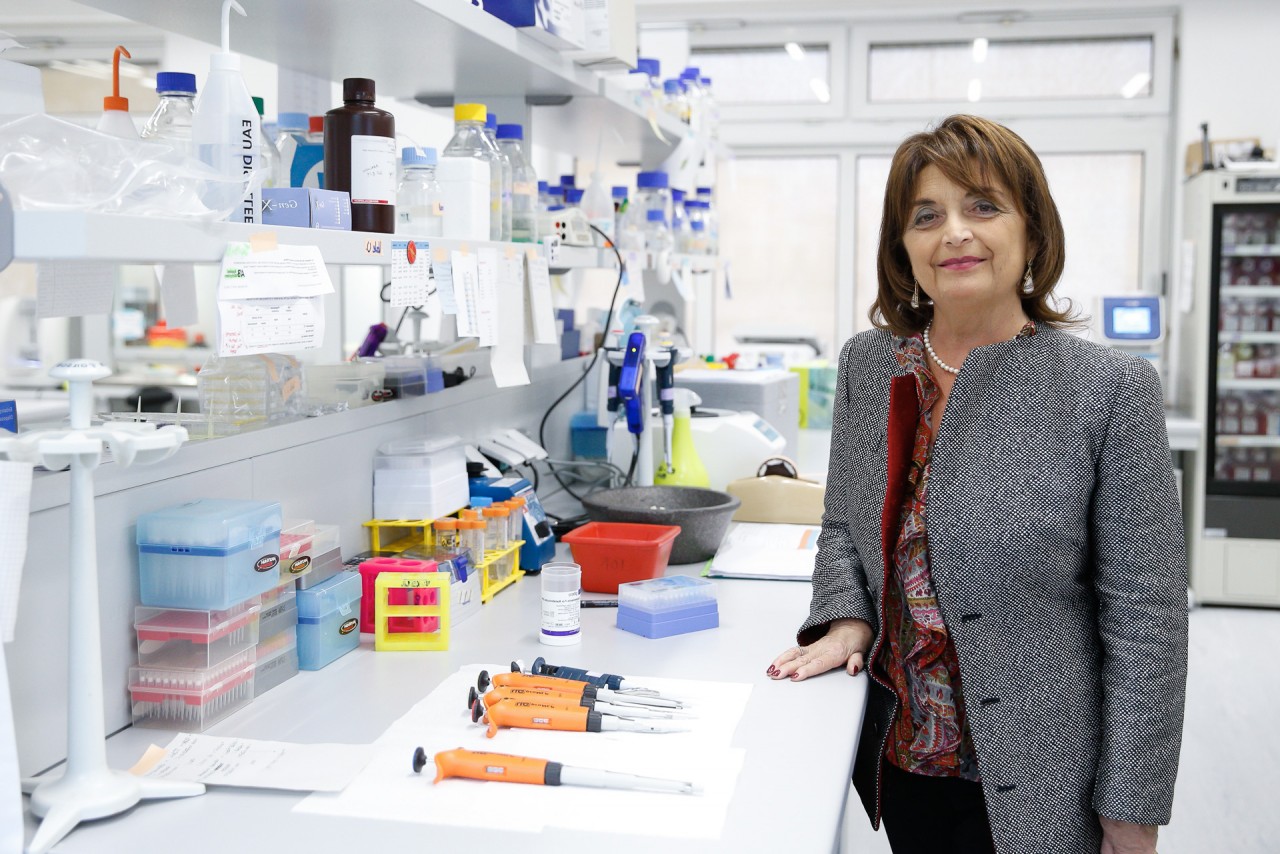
(178, 294)
(410, 263)
(74, 288)
(465, 272)
(258, 764)
(286, 271)
(506, 359)
(253, 326)
(15, 509)
(388, 790)
(487, 271)
(541, 309)
(755, 550)
(442, 269)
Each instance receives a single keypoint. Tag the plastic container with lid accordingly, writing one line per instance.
(420, 478)
(611, 553)
(328, 620)
(406, 376)
(327, 560)
(496, 522)
(360, 156)
(468, 171)
(296, 541)
(500, 227)
(208, 554)
(277, 662)
(515, 520)
(354, 384)
(194, 640)
(191, 700)
(661, 607)
(278, 612)
(524, 185)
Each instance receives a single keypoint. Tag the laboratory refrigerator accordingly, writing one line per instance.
(1234, 220)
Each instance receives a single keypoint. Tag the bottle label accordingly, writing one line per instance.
(560, 614)
(373, 170)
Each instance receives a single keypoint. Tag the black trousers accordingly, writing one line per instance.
(930, 815)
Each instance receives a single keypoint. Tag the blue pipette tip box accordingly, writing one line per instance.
(662, 607)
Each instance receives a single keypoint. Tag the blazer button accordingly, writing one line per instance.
(989, 701)
(969, 618)
(1006, 788)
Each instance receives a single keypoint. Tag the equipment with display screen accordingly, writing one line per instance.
(1133, 323)
(539, 543)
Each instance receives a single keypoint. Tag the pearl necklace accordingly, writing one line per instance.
(929, 347)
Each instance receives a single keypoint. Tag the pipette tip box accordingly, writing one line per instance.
(191, 700)
(328, 620)
(194, 640)
(673, 605)
(277, 661)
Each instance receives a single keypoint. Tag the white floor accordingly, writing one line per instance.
(1228, 795)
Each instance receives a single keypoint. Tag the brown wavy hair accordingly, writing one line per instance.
(974, 153)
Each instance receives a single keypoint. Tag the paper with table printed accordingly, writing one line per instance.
(767, 551)
(387, 790)
(271, 300)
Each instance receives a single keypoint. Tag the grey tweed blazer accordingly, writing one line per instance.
(1058, 557)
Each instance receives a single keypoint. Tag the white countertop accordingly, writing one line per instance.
(800, 738)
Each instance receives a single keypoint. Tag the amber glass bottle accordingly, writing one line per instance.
(360, 156)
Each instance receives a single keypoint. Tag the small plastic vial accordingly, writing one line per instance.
(446, 531)
(495, 537)
(472, 534)
(515, 526)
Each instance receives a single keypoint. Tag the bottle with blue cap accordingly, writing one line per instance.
(658, 243)
(653, 193)
(419, 199)
(545, 199)
(524, 185)
(500, 213)
(674, 100)
(171, 120)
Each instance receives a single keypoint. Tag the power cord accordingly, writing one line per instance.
(608, 321)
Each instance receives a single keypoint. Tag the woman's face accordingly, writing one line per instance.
(968, 251)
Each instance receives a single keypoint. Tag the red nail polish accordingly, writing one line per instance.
(795, 676)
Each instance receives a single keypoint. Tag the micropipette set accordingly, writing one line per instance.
(502, 768)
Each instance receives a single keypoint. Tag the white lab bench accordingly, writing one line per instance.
(799, 738)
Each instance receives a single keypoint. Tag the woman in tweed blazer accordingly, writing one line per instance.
(1024, 556)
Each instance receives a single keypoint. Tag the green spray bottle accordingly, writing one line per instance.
(686, 468)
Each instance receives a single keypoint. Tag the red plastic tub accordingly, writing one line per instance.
(611, 553)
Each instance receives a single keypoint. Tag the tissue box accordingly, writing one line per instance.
(560, 24)
(303, 207)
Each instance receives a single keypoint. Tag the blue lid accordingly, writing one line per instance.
(619, 192)
(704, 191)
(652, 180)
(677, 196)
(705, 81)
(672, 87)
(568, 181)
(176, 81)
(510, 132)
(418, 156)
(542, 187)
(655, 216)
(650, 66)
(292, 121)
(697, 225)
(556, 190)
(555, 207)
(573, 195)
(490, 121)
(697, 204)
(691, 73)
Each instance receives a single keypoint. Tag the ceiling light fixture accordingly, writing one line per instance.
(975, 90)
(820, 89)
(794, 51)
(1136, 85)
(980, 50)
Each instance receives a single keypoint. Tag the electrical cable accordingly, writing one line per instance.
(635, 455)
(608, 321)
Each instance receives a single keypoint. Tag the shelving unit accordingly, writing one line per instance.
(1251, 291)
(1249, 441)
(1249, 385)
(1249, 337)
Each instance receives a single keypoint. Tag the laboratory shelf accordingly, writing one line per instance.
(457, 49)
(79, 236)
(1250, 291)
(1249, 337)
(1248, 385)
(1248, 441)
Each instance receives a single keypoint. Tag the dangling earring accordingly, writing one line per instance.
(1028, 284)
(915, 295)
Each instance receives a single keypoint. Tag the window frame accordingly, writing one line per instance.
(1160, 29)
(836, 38)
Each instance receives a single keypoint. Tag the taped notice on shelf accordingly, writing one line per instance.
(465, 275)
(542, 312)
(271, 301)
(442, 269)
(410, 273)
(506, 359)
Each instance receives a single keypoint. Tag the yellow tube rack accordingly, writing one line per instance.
(500, 568)
(495, 567)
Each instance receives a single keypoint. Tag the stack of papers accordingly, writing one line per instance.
(755, 550)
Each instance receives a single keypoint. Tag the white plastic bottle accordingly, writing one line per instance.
(171, 121)
(226, 131)
(419, 199)
(500, 226)
(465, 175)
(269, 162)
(524, 185)
(597, 204)
(115, 110)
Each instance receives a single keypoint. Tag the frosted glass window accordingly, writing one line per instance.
(1104, 239)
(778, 221)
(978, 70)
(774, 74)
